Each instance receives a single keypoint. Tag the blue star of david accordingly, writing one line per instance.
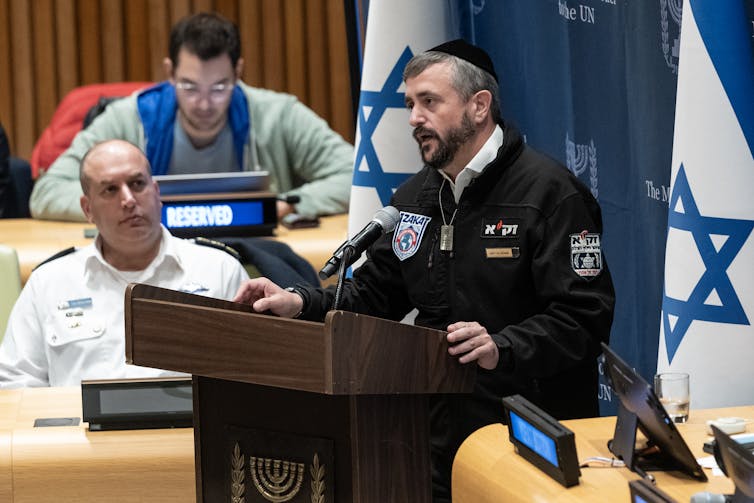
(379, 102)
(716, 263)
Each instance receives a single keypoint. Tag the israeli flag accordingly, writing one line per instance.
(386, 154)
(708, 299)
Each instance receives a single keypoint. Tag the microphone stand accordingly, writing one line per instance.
(348, 252)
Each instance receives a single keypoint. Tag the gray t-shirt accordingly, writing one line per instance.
(218, 157)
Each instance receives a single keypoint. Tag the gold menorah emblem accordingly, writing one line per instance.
(276, 480)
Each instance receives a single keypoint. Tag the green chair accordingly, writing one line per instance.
(10, 284)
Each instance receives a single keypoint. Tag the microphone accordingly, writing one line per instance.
(384, 221)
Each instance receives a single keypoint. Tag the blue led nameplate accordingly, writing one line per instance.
(216, 214)
(542, 440)
(533, 438)
(235, 215)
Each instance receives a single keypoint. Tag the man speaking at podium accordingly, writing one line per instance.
(68, 322)
(496, 243)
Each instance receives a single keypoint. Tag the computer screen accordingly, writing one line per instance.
(213, 183)
(121, 404)
(738, 463)
(640, 408)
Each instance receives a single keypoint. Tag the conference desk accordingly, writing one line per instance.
(35, 240)
(72, 464)
(487, 470)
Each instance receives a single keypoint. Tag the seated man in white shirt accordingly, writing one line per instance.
(68, 323)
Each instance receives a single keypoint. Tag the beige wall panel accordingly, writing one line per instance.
(6, 90)
(316, 54)
(340, 78)
(228, 8)
(159, 32)
(90, 38)
(250, 27)
(295, 51)
(45, 60)
(206, 5)
(179, 9)
(138, 58)
(113, 43)
(66, 47)
(273, 45)
(22, 76)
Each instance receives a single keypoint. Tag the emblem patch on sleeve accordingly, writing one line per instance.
(408, 235)
(586, 254)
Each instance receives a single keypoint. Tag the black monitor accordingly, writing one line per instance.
(736, 462)
(127, 404)
(643, 491)
(640, 409)
(213, 183)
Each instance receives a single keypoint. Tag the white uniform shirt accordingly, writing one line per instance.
(48, 346)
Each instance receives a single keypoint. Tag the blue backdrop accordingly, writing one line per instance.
(592, 83)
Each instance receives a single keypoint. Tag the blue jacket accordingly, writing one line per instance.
(157, 108)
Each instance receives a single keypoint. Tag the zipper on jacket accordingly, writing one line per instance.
(432, 250)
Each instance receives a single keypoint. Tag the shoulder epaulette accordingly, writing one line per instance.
(220, 246)
(59, 254)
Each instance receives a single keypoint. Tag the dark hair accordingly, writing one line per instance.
(466, 78)
(206, 35)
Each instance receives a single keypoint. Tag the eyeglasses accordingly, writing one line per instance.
(217, 92)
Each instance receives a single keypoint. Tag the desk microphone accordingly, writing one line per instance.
(384, 221)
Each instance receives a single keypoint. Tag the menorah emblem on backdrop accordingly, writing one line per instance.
(579, 157)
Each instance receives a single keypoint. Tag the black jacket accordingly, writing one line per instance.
(527, 265)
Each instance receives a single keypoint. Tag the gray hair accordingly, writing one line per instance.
(466, 78)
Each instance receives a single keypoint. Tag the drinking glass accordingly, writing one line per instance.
(672, 388)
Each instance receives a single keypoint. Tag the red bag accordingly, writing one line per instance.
(68, 119)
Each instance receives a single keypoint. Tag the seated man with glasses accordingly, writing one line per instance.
(204, 119)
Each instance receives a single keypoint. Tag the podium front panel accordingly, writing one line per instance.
(369, 448)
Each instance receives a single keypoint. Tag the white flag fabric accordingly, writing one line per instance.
(708, 300)
(386, 154)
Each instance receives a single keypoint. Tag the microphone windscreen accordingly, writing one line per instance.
(387, 217)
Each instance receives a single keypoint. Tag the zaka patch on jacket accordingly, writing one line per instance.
(586, 254)
(408, 235)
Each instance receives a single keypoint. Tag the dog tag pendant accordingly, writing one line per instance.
(446, 238)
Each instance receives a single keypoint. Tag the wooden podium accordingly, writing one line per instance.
(290, 410)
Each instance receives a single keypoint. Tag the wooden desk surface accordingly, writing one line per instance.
(72, 464)
(487, 470)
(35, 240)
